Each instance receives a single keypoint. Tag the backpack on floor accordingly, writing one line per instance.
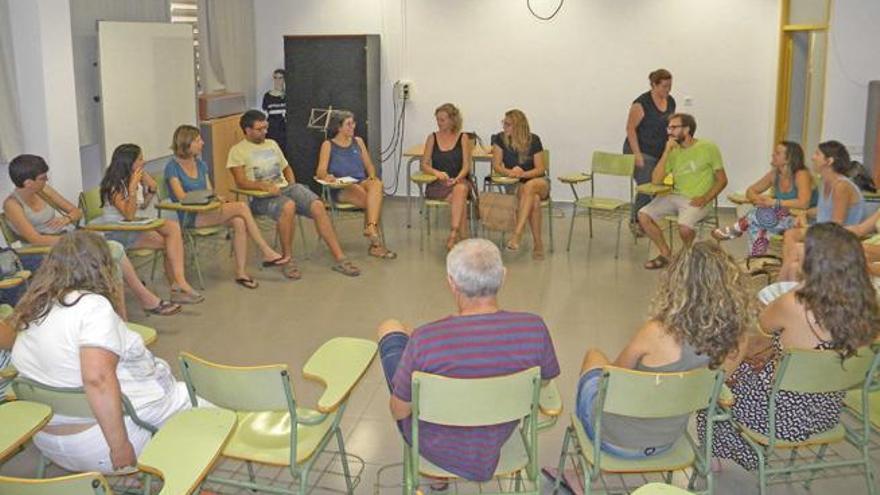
(498, 211)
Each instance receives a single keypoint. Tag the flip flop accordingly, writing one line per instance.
(276, 262)
(725, 234)
(247, 283)
(657, 263)
(179, 296)
(164, 308)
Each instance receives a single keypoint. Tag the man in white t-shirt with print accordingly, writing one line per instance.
(257, 163)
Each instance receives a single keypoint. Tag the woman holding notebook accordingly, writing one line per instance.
(344, 156)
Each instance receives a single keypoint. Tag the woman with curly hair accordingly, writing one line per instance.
(699, 317)
(834, 308)
(70, 335)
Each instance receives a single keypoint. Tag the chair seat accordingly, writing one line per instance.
(436, 203)
(346, 206)
(420, 178)
(835, 434)
(575, 178)
(680, 456)
(141, 252)
(853, 401)
(514, 457)
(148, 334)
(265, 436)
(15, 280)
(206, 231)
(608, 204)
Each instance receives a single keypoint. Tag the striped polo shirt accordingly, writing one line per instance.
(474, 346)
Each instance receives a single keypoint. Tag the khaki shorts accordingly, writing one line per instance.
(674, 204)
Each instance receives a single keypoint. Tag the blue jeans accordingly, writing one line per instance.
(642, 175)
(391, 348)
(588, 390)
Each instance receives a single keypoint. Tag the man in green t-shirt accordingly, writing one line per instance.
(698, 177)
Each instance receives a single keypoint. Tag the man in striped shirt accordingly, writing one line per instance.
(480, 340)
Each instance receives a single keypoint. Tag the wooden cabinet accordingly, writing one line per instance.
(220, 135)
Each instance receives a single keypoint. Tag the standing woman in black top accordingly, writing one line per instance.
(275, 106)
(516, 152)
(447, 156)
(646, 134)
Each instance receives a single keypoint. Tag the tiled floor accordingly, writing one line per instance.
(588, 299)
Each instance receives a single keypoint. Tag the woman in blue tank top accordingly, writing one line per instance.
(790, 185)
(840, 202)
(346, 155)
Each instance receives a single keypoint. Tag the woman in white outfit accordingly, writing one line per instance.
(69, 334)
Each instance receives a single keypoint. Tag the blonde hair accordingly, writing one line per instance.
(703, 299)
(453, 113)
(79, 261)
(183, 138)
(520, 139)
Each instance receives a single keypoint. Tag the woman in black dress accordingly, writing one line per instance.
(646, 134)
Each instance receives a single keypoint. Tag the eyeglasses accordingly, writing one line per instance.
(673, 127)
(278, 77)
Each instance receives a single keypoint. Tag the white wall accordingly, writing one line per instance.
(574, 76)
(47, 98)
(852, 62)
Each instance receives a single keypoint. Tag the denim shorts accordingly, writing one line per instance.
(302, 197)
(588, 390)
(391, 348)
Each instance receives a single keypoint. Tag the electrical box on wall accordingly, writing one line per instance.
(403, 89)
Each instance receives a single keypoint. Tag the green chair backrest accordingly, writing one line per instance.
(809, 371)
(67, 401)
(8, 234)
(546, 154)
(239, 388)
(74, 484)
(642, 394)
(90, 203)
(613, 164)
(475, 401)
(5, 310)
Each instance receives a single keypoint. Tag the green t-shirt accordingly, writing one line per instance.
(693, 169)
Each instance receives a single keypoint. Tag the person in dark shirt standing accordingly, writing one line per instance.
(646, 134)
(275, 106)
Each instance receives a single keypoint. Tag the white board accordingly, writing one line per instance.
(148, 85)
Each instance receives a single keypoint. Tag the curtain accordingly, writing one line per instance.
(229, 44)
(10, 125)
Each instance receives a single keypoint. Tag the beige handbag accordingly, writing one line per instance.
(498, 211)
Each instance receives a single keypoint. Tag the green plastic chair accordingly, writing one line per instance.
(90, 204)
(341, 209)
(810, 371)
(608, 164)
(191, 235)
(639, 394)
(68, 402)
(478, 402)
(11, 238)
(74, 484)
(262, 398)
